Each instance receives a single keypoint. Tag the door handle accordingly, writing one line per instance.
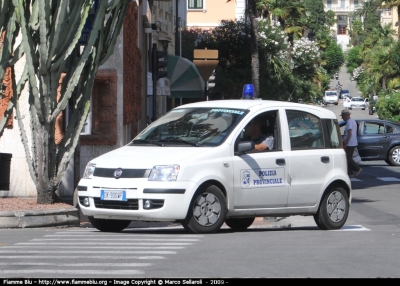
(325, 159)
(280, 162)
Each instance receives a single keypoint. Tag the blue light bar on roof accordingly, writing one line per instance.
(248, 91)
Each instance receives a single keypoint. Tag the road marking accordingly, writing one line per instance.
(388, 179)
(78, 257)
(353, 228)
(89, 246)
(79, 238)
(82, 251)
(76, 264)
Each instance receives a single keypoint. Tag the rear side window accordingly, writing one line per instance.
(305, 130)
(334, 135)
(390, 129)
(374, 128)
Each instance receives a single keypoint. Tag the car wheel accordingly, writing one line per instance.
(394, 156)
(333, 209)
(109, 225)
(363, 108)
(207, 211)
(239, 223)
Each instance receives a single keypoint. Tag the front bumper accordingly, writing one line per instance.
(357, 106)
(169, 200)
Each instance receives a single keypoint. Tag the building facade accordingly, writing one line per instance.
(120, 104)
(343, 10)
(207, 14)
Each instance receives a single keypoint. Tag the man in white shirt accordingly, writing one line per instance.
(261, 141)
(349, 143)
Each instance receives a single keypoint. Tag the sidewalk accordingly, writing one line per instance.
(72, 217)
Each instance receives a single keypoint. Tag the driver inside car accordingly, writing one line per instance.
(253, 133)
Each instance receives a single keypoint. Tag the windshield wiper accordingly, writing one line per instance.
(180, 141)
(147, 142)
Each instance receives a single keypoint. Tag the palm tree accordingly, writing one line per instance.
(390, 4)
(255, 62)
(289, 13)
(366, 10)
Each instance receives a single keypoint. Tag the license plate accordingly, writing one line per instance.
(113, 195)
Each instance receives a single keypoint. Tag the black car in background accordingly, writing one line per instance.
(378, 140)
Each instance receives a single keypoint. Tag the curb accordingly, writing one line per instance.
(73, 217)
(66, 217)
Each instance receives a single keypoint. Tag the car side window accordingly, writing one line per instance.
(268, 124)
(389, 129)
(305, 130)
(334, 133)
(374, 128)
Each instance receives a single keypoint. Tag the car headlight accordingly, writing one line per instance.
(164, 173)
(89, 171)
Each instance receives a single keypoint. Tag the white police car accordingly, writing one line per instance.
(195, 166)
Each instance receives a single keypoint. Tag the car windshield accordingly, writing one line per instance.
(191, 127)
(331, 93)
(357, 99)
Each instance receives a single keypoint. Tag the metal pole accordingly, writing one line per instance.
(154, 77)
(176, 26)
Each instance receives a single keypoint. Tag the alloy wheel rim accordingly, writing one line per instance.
(207, 209)
(336, 206)
(396, 155)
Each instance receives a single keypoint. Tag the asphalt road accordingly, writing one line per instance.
(367, 247)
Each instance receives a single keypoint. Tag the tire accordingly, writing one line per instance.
(394, 156)
(207, 211)
(239, 223)
(333, 209)
(109, 225)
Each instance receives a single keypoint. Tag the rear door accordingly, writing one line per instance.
(374, 139)
(311, 164)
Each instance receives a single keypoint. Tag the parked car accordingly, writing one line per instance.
(345, 94)
(378, 140)
(354, 103)
(195, 165)
(330, 97)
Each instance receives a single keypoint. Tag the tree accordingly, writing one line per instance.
(316, 17)
(353, 59)
(390, 4)
(253, 13)
(368, 11)
(50, 32)
(334, 57)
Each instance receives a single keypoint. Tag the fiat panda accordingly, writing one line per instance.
(197, 166)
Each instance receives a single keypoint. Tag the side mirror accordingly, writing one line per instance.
(243, 147)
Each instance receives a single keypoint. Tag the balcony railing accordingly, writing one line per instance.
(341, 9)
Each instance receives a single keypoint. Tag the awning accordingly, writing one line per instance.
(185, 79)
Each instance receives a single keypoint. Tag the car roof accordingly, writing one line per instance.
(378, 120)
(257, 104)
